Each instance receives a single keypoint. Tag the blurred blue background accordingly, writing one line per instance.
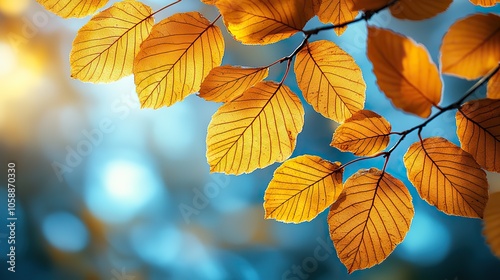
(108, 191)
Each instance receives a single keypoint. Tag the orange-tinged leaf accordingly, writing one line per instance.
(404, 71)
(104, 49)
(330, 80)
(226, 83)
(209, 2)
(493, 89)
(420, 9)
(265, 21)
(468, 41)
(365, 133)
(447, 177)
(492, 223)
(485, 3)
(367, 5)
(302, 188)
(370, 218)
(70, 8)
(255, 130)
(337, 12)
(175, 59)
(478, 129)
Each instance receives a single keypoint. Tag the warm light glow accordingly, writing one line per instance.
(13, 8)
(8, 58)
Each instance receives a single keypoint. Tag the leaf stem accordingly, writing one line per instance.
(478, 84)
(163, 8)
(288, 66)
(216, 19)
(420, 127)
(367, 15)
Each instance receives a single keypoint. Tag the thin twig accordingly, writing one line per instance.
(163, 8)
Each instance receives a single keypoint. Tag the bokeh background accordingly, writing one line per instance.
(133, 197)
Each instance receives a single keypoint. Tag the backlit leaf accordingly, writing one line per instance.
(475, 38)
(225, 83)
(337, 12)
(478, 129)
(265, 21)
(492, 223)
(255, 130)
(302, 188)
(485, 3)
(366, 5)
(419, 9)
(365, 133)
(330, 80)
(406, 9)
(404, 71)
(493, 90)
(370, 218)
(175, 59)
(71, 8)
(447, 177)
(104, 49)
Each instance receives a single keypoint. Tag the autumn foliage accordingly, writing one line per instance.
(258, 123)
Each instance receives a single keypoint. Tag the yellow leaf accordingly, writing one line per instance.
(255, 130)
(175, 59)
(419, 10)
(447, 177)
(367, 5)
(478, 129)
(71, 8)
(330, 80)
(337, 12)
(493, 90)
(104, 49)
(265, 21)
(471, 46)
(370, 218)
(492, 223)
(485, 3)
(302, 188)
(365, 133)
(226, 83)
(404, 71)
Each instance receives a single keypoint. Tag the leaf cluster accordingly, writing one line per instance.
(259, 120)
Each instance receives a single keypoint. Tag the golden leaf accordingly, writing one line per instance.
(302, 188)
(226, 83)
(69, 8)
(254, 130)
(478, 129)
(337, 12)
(493, 89)
(104, 49)
(265, 21)
(365, 133)
(175, 59)
(492, 223)
(370, 218)
(447, 177)
(485, 3)
(404, 71)
(468, 41)
(419, 10)
(330, 80)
